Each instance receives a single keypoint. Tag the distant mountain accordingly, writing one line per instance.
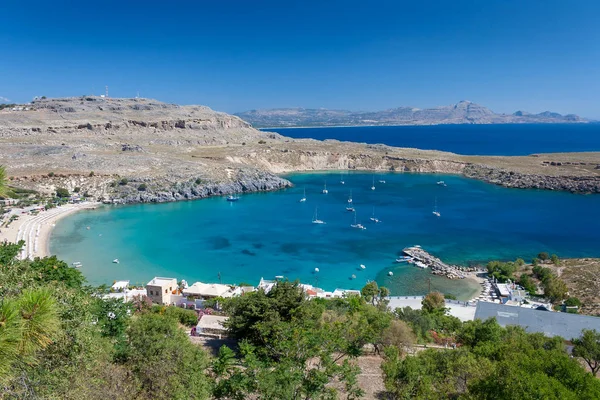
(463, 112)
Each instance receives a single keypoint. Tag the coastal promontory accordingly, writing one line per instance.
(143, 150)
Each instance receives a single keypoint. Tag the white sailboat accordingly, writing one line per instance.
(376, 220)
(325, 191)
(316, 219)
(435, 211)
(303, 199)
(357, 225)
(342, 180)
(350, 197)
(373, 184)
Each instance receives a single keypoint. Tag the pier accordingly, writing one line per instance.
(437, 266)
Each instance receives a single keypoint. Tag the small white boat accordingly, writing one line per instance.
(362, 266)
(342, 180)
(420, 264)
(116, 261)
(390, 273)
(373, 219)
(381, 180)
(373, 184)
(278, 276)
(357, 225)
(325, 191)
(232, 198)
(316, 219)
(316, 269)
(353, 276)
(442, 183)
(76, 263)
(435, 211)
(350, 197)
(303, 199)
(350, 208)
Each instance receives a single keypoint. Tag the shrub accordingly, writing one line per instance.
(198, 181)
(142, 187)
(62, 193)
(544, 256)
(113, 184)
(123, 181)
(77, 189)
(91, 173)
(50, 174)
(261, 142)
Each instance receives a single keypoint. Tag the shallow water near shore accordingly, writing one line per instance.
(269, 234)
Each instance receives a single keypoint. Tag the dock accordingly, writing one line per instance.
(425, 260)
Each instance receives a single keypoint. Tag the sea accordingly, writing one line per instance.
(498, 140)
(270, 234)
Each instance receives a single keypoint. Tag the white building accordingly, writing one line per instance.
(161, 290)
(209, 290)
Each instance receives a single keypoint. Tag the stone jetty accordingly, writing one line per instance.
(437, 266)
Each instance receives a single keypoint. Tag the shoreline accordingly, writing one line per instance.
(36, 229)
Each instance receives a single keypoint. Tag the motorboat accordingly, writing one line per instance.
(232, 198)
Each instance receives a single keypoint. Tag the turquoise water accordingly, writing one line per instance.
(268, 234)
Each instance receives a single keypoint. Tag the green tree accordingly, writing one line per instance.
(28, 324)
(588, 348)
(51, 269)
(370, 292)
(3, 182)
(528, 284)
(544, 256)
(62, 193)
(555, 289)
(554, 259)
(502, 271)
(434, 302)
(164, 360)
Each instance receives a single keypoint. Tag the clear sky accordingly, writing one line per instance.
(236, 55)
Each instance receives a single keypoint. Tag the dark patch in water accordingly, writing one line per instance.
(290, 248)
(258, 245)
(248, 252)
(219, 242)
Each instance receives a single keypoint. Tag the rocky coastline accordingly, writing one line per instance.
(142, 150)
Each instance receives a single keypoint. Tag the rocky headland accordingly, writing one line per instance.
(141, 150)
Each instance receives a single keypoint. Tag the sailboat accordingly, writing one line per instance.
(435, 211)
(342, 180)
(376, 220)
(381, 180)
(303, 199)
(316, 219)
(350, 197)
(325, 191)
(357, 225)
(373, 184)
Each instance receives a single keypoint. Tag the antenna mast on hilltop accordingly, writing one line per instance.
(106, 90)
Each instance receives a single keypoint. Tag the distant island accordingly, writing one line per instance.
(463, 112)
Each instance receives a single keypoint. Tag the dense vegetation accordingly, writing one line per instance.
(60, 341)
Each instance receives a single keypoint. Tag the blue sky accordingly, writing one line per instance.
(362, 55)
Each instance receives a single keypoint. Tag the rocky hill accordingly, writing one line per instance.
(141, 150)
(463, 112)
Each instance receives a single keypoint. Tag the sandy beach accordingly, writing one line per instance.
(35, 229)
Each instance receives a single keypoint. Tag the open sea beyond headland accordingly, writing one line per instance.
(497, 140)
(269, 234)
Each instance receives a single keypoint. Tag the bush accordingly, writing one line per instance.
(91, 173)
(113, 184)
(198, 181)
(261, 142)
(123, 181)
(544, 256)
(183, 316)
(77, 189)
(554, 259)
(62, 193)
(50, 174)
(142, 187)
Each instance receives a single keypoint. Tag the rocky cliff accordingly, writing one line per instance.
(140, 150)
